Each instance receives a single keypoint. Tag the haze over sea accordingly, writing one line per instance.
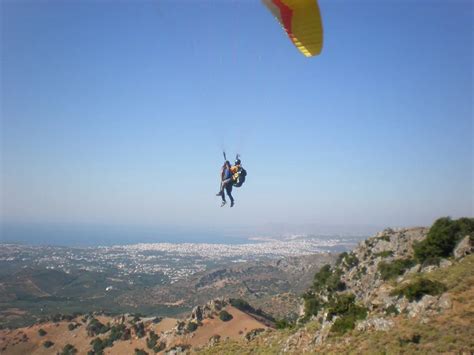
(83, 235)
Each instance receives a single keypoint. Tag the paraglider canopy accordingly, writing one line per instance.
(301, 20)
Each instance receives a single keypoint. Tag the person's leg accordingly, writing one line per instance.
(229, 193)
(224, 183)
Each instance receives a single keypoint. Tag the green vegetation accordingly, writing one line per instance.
(395, 268)
(417, 289)
(157, 320)
(347, 311)
(384, 254)
(442, 238)
(95, 327)
(98, 346)
(361, 272)
(384, 238)
(152, 340)
(391, 310)
(47, 344)
(241, 305)
(415, 339)
(327, 279)
(69, 350)
(191, 327)
(137, 317)
(160, 347)
(139, 329)
(140, 352)
(225, 316)
(312, 304)
(117, 332)
(42, 332)
(340, 258)
(351, 260)
(72, 326)
(283, 324)
(244, 306)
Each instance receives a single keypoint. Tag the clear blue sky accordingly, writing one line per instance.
(115, 112)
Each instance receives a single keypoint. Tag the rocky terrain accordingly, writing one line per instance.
(380, 298)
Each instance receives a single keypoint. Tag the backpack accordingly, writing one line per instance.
(241, 178)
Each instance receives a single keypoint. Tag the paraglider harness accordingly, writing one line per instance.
(238, 178)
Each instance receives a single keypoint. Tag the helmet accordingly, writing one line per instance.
(237, 162)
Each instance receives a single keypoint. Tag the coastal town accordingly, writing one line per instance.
(173, 261)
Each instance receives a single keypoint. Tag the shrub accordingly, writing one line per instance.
(42, 332)
(139, 329)
(312, 304)
(442, 237)
(395, 268)
(69, 350)
(137, 317)
(152, 340)
(246, 307)
(192, 326)
(283, 323)
(351, 260)
(432, 260)
(160, 347)
(119, 332)
(384, 237)
(419, 288)
(47, 344)
(95, 327)
(347, 311)
(415, 339)
(344, 305)
(343, 324)
(340, 258)
(321, 277)
(327, 279)
(334, 283)
(72, 326)
(140, 352)
(384, 254)
(157, 320)
(225, 316)
(98, 346)
(241, 304)
(392, 309)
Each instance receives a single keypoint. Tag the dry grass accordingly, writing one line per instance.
(450, 332)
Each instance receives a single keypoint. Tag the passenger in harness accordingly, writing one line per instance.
(238, 173)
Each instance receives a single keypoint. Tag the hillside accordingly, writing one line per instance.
(382, 298)
(122, 335)
(272, 285)
(401, 291)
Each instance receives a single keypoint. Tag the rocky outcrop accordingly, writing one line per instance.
(251, 335)
(210, 309)
(383, 324)
(360, 267)
(214, 340)
(464, 247)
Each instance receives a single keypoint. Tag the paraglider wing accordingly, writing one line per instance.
(301, 20)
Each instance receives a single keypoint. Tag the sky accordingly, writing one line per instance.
(116, 113)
